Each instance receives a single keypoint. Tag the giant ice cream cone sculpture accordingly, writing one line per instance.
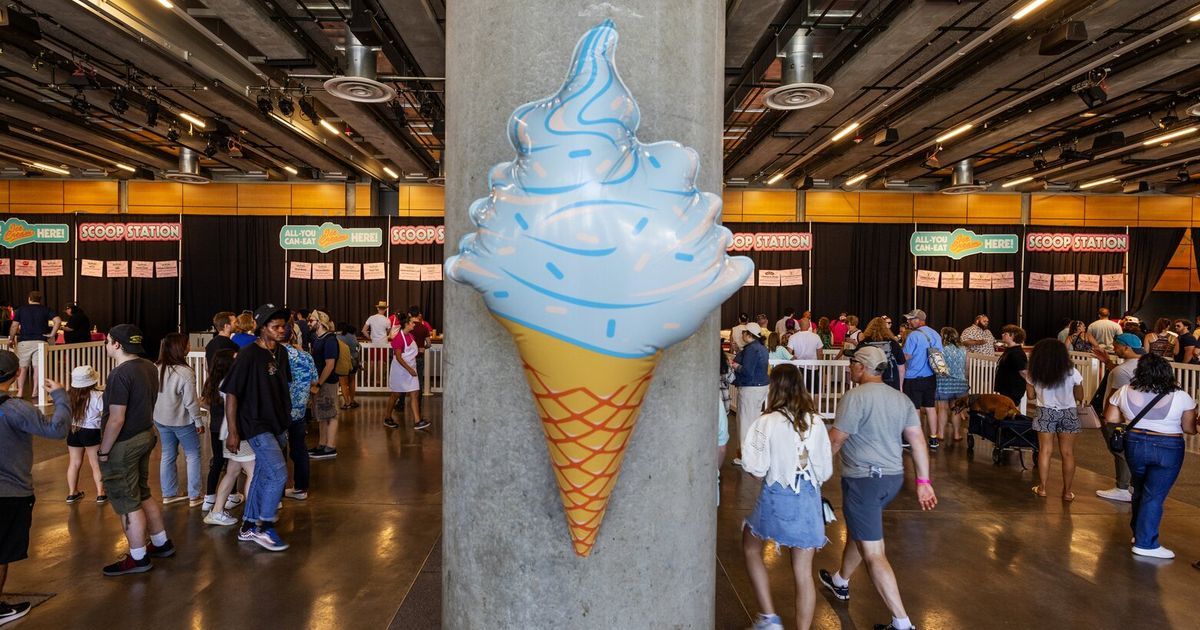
(596, 252)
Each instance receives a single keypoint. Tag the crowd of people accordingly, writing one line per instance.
(917, 372)
(269, 373)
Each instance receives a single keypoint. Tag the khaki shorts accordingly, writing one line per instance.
(27, 352)
(126, 474)
(325, 402)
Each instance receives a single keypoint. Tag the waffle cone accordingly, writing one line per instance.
(588, 403)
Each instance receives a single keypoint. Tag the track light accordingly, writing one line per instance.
(211, 146)
(152, 112)
(173, 133)
(1183, 175)
(192, 119)
(309, 111)
(79, 103)
(1167, 137)
(264, 104)
(1099, 182)
(118, 103)
(1168, 121)
(286, 106)
(1092, 95)
(1017, 182)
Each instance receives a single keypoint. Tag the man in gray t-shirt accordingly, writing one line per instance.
(870, 420)
(1129, 347)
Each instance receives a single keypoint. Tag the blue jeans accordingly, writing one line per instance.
(1154, 463)
(270, 477)
(172, 438)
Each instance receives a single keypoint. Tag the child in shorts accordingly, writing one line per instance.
(87, 405)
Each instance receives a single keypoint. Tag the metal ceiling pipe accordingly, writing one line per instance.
(964, 173)
(360, 83)
(189, 162)
(798, 61)
(797, 89)
(360, 59)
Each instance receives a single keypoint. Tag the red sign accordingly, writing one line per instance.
(1066, 242)
(418, 234)
(129, 231)
(772, 241)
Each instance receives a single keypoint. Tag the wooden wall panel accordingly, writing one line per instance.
(35, 208)
(427, 198)
(89, 193)
(769, 205)
(1165, 210)
(898, 207)
(155, 194)
(939, 208)
(263, 210)
(1057, 210)
(36, 192)
(4, 191)
(319, 196)
(1110, 210)
(831, 206)
(731, 205)
(362, 199)
(88, 209)
(265, 196)
(212, 195)
(214, 210)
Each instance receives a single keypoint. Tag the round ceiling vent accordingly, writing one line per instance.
(962, 180)
(963, 189)
(436, 181)
(186, 178)
(360, 89)
(798, 95)
(189, 169)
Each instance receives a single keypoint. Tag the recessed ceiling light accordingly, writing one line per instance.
(125, 167)
(291, 170)
(330, 128)
(391, 173)
(1088, 115)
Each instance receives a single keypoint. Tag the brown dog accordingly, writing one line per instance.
(997, 406)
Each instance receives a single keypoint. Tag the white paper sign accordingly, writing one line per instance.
(928, 279)
(410, 272)
(375, 271)
(26, 268)
(322, 271)
(791, 277)
(300, 270)
(1089, 282)
(142, 269)
(1003, 280)
(1064, 282)
(118, 268)
(166, 268)
(1114, 282)
(981, 280)
(768, 278)
(1039, 281)
(952, 279)
(52, 268)
(5, 267)
(431, 273)
(92, 268)
(350, 271)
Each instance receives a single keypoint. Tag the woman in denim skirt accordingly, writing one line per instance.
(788, 447)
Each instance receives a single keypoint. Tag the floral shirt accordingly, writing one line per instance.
(304, 374)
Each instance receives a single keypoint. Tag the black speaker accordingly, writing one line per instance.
(1063, 38)
(1106, 141)
(804, 182)
(887, 136)
(1093, 95)
(1133, 188)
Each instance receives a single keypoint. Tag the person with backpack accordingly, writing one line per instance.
(346, 335)
(327, 353)
(924, 363)
(879, 335)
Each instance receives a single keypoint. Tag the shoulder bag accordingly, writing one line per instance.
(937, 362)
(1116, 439)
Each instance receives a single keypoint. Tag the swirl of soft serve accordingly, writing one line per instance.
(590, 236)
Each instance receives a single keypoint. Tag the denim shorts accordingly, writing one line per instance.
(791, 519)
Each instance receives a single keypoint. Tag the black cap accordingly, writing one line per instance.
(129, 336)
(267, 312)
(9, 364)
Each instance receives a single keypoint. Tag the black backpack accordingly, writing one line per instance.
(891, 375)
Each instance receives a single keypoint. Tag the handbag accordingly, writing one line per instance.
(827, 511)
(1087, 417)
(1116, 439)
(937, 362)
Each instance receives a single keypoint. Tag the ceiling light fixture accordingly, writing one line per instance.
(957, 131)
(330, 128)
(265, 107)
(856, 179)
(286, 106)
(391, 173)
(166, 4)
(1194, 18)
(192, 119)
(845, 130)
(775, 178)
(291, 170)
(1026, 10)
(1017, 182)
(125, 167)
(50, 169)
(1099, 182)
(1167, 137)
(152, 112)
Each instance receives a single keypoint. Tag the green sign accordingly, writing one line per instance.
(961, 243)
(328, 237)
(17, 232)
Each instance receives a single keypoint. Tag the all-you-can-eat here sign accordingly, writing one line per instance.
(17, 232)
(328, 237)
(962, 243)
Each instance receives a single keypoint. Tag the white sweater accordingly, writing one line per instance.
(177, 403)
(774, 451)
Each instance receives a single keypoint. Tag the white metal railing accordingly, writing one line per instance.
(981, 372)
(57, 361)
(433, 369)
(197, 360)
(832, 381)
(1090, 368)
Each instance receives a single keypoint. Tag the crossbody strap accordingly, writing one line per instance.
(1145, 409)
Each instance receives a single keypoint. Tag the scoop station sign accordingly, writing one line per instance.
(1067, 242)
(771, 241)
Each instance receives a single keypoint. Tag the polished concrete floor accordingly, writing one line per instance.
(366, 550)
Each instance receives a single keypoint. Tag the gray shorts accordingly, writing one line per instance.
(863, 500)
(27, 354)
(325, 402)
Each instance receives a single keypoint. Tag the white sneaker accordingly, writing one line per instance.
(1157, 552)
(299, 495)
(208, 503)
(1115, 494)
(217, 517)
(233, 501)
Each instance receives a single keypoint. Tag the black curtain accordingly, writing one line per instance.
(1150, 251)
(349, 301)
(1047, 311)
(864, 269)
(57, 292)
(770, 301)
(230, 263)
(958, 307)
(405, 293)
(149, 303)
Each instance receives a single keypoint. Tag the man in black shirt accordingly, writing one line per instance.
(33, 324)
(223, 324)
(78, 328)
(128, 438)
(1009, 380)
(258, 410)
(1187, 352)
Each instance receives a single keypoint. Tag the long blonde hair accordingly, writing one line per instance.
(878, 330)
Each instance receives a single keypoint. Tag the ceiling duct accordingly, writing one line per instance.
(963, 179)
(798, 90)
(359, 83)
(189, 169)
(1194, 111)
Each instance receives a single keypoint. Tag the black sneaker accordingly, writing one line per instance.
(13, 612)
(888, 626)
(391, 424)
(102, 499)
(422, 425)
(165, 551)
(934, 443)
(840, 592)
(316, 450)
(75, 498)
(324, 453)
(127, 565)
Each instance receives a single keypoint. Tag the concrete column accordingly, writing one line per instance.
(508, 560)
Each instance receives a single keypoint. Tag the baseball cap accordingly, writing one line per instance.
(129, 336)
(9, 364)
(267, 312)
(754, 329)
(869, 356)
(84, 376)
(1132, 320)
(381, 304)
(1131, 341)
(916, 313)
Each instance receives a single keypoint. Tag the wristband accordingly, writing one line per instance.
(924, 482)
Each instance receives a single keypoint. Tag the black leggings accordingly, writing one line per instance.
(218, 455)
(298, 451)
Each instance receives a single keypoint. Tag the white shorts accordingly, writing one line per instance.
(27, 352)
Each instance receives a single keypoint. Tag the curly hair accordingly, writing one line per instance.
(1154, 375)
(1049, 363)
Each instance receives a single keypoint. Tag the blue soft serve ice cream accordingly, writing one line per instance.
(590, 236)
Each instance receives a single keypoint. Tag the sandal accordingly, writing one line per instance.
(345, 406)
(1038, 491)
(1069, 497)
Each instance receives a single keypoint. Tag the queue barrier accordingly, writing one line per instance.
(828, 381)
